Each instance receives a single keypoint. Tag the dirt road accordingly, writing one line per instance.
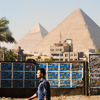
(78, 97)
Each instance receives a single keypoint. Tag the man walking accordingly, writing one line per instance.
(43, 92)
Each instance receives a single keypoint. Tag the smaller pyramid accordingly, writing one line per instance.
(31, 39)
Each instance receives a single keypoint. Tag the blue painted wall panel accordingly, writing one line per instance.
(29, 67)
(6, 75)
(52, 75)
(17, 67)
(5, 83)
(6, 66)
(64, 67)
(17, 75)
(52, 67)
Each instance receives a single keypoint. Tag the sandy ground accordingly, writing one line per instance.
(78, 97)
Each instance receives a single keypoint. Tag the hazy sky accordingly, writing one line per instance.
(24, 14)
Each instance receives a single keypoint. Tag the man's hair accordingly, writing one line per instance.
(42, 70)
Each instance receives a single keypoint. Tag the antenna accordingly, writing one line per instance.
(60, 36)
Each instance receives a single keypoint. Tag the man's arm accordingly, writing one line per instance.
(32, 97)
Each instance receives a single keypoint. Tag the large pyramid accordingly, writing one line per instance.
(31, 39)
(79, 27)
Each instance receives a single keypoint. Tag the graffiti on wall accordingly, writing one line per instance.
(94, 66)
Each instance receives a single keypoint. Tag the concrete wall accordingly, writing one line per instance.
(27, 92)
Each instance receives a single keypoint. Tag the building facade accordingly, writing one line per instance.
(64, 52)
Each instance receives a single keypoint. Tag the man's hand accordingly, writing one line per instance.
(32, 97)
(45, 98)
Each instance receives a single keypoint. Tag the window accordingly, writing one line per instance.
(60, 49)
(75, 59)
(61, 59)
(75, 54)
(56, 59)
(61, 54)
(66, 59)
(71, 54)
(52, 49)
(55, 54)
(57, 49)
(66, 55)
